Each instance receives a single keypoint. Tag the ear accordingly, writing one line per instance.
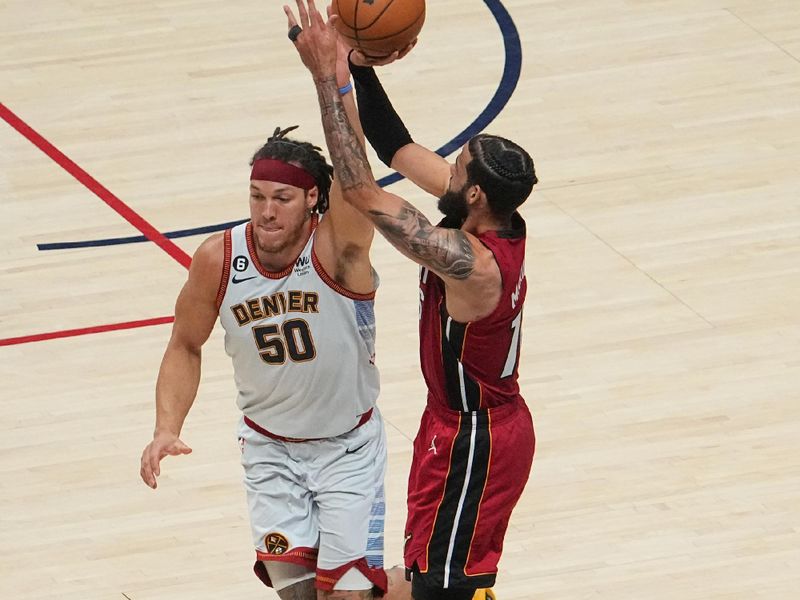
(312, 196)
(475, 195)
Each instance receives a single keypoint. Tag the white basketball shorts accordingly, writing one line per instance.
(318, 503)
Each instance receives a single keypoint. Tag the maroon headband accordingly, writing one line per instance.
(271, 169)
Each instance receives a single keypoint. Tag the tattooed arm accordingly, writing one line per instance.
(447, 252)
(456, 255)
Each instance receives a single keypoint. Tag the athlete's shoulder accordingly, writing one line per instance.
(213, 243)
(208, 260)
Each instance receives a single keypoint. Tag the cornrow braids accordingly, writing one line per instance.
(504, 171)
(303, 154)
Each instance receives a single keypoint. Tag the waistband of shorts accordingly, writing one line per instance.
(496, 414)
(256, 427)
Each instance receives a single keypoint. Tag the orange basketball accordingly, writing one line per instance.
(379, 27)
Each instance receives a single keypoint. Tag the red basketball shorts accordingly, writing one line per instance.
(468, 472)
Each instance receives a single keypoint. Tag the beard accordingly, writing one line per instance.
(453, 205)
(275, 244)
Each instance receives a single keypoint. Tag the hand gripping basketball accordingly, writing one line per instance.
(314, 39)
(359, 59)
(379, 28)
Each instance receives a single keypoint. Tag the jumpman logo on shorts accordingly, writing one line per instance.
(433, 445)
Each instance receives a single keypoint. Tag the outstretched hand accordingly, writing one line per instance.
(316, 41)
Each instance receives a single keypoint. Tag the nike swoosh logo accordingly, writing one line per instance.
(354, 450)
(234, 280)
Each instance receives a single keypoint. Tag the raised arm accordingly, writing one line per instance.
(389, 137)
(350, 229)
(451, 253)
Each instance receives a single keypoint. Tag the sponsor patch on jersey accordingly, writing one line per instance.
(275, 543)
(302, 266)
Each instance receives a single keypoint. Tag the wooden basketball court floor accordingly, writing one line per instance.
(660, 353)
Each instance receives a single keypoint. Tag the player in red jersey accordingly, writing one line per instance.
(474, 449)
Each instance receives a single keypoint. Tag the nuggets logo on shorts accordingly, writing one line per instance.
(275, 543)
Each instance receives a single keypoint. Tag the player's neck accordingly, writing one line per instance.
(477, 224)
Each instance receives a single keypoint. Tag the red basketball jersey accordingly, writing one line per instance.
(473, 366)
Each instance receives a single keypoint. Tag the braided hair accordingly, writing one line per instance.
(503, 170)
(303, 154)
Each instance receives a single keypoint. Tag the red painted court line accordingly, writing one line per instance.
(150, 232)
(40, 337)
(116, 204)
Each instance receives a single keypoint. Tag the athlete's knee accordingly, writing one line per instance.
(353, 585)
(353, 580)
(292, 582)
(345, 595)
(302, 590)
(399, 586)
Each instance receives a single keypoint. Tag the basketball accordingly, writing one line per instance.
(379, 27)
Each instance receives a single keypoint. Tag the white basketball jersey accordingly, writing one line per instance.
(303, 347)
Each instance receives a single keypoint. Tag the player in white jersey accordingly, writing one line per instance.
(294, 290)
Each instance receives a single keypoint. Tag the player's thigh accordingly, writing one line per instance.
(349, 496)
(281, 507)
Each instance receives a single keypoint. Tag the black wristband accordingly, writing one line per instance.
(381, 124)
